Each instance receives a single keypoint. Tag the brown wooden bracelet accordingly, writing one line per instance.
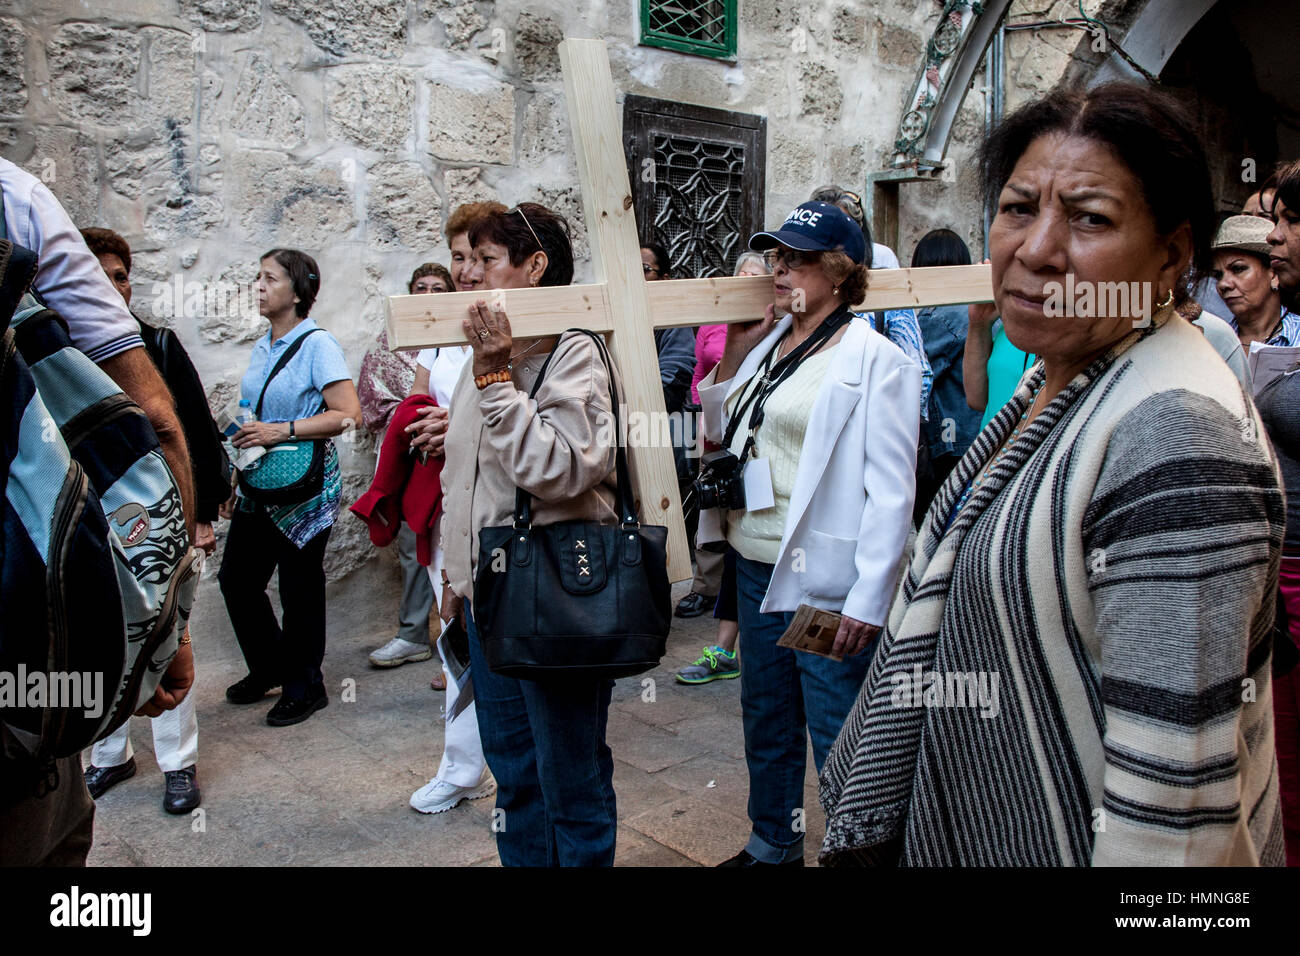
(491, 378)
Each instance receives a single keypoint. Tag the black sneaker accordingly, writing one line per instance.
(694, 604)
(99, 779)
(744, 859)
(248, 691)
(181, 793)
(294, 710)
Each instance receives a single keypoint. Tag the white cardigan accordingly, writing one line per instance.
(851, 507)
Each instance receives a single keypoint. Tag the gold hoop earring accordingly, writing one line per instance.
(1169, 300)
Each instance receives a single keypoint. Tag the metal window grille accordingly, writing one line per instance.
(704, 27)
(698, 181)
(699, 200)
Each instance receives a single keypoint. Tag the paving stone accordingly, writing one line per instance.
(646, 747)
(633, 849)
(698, 830)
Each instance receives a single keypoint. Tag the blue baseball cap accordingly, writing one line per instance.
(815, 227)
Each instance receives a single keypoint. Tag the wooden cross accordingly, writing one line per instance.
(620, 302)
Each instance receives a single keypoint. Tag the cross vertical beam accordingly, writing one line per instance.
(616, 259)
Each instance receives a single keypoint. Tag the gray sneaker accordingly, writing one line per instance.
(716, 664)
(400, 651)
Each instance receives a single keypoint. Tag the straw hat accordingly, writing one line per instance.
(1248, 233)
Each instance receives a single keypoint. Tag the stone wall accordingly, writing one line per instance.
(207, 131)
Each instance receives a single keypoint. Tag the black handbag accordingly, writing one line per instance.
(290, 472)
(574, 599)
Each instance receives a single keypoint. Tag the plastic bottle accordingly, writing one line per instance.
(246, 456)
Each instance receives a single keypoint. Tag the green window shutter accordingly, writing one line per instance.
(702, 27)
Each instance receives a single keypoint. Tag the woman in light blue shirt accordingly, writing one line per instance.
(311, 397)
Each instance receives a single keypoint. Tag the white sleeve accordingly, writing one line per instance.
(425, 358)
(69, 278)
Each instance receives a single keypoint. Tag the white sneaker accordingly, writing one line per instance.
(438, 795)
(400, 651)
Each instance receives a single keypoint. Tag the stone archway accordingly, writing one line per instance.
(1152, 38)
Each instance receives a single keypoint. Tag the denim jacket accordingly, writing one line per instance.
(951, 425)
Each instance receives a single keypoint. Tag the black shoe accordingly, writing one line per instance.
(99, 779)
(294, 710)
(248, 691)
(694, 604)
(744, 859)
(181, 794)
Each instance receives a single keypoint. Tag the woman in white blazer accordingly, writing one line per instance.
(820, 413)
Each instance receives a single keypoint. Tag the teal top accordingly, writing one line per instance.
(1007, 366)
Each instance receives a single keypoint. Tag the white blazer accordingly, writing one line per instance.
(851, 506)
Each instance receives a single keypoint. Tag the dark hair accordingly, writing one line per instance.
(515, 228)
(431, 269)
(1287, 186)
(303, 273)
(852, 207)
(661, 257)
(107, 242)
(464, 216)
(940, 247)
(1148, 131)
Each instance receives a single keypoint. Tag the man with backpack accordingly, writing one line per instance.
(175, 732)
(50, 821)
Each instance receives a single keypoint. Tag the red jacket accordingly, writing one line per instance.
(404, 488)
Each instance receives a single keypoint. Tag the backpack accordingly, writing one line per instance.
(97, 574)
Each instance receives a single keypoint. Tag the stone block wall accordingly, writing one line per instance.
(208, 131)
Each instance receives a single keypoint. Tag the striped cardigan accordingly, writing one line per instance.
(1077, 670)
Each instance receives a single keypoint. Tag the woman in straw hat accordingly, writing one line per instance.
(1249, 287)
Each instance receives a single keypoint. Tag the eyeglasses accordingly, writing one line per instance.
(793, 258)
(529, 225)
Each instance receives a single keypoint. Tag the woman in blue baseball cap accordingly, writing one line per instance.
(813, 490)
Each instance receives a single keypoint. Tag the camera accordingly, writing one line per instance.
(720, 484)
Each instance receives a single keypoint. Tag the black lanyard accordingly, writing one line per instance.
(772, 377)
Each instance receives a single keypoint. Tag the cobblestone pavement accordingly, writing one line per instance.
(334, 790)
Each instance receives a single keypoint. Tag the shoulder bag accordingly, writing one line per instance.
(292, 471)
(575, 599)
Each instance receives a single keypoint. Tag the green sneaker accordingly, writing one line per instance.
(716, 664)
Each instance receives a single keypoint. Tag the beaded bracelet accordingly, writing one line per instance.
(491, 378)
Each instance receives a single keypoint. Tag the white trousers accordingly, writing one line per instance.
(462, 760)
(175, 739)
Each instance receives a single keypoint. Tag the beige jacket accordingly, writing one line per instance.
(559, 447)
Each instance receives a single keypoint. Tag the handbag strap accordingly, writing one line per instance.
(626, 505)
(289, 353)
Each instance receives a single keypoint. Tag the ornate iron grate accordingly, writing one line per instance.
(705, 27)
(699, 200)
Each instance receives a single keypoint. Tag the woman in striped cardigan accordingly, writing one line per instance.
(1075, 670)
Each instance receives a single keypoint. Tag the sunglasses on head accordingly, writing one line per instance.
(528, 224)
(836, 197)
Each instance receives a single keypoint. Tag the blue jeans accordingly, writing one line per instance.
(545, 744)
(785, 696)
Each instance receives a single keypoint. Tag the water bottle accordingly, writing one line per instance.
(242, 416)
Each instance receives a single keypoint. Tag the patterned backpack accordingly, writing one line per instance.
(97, 574)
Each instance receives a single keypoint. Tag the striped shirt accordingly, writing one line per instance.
(1287, 334)
(69, 279)
(1104, 601)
